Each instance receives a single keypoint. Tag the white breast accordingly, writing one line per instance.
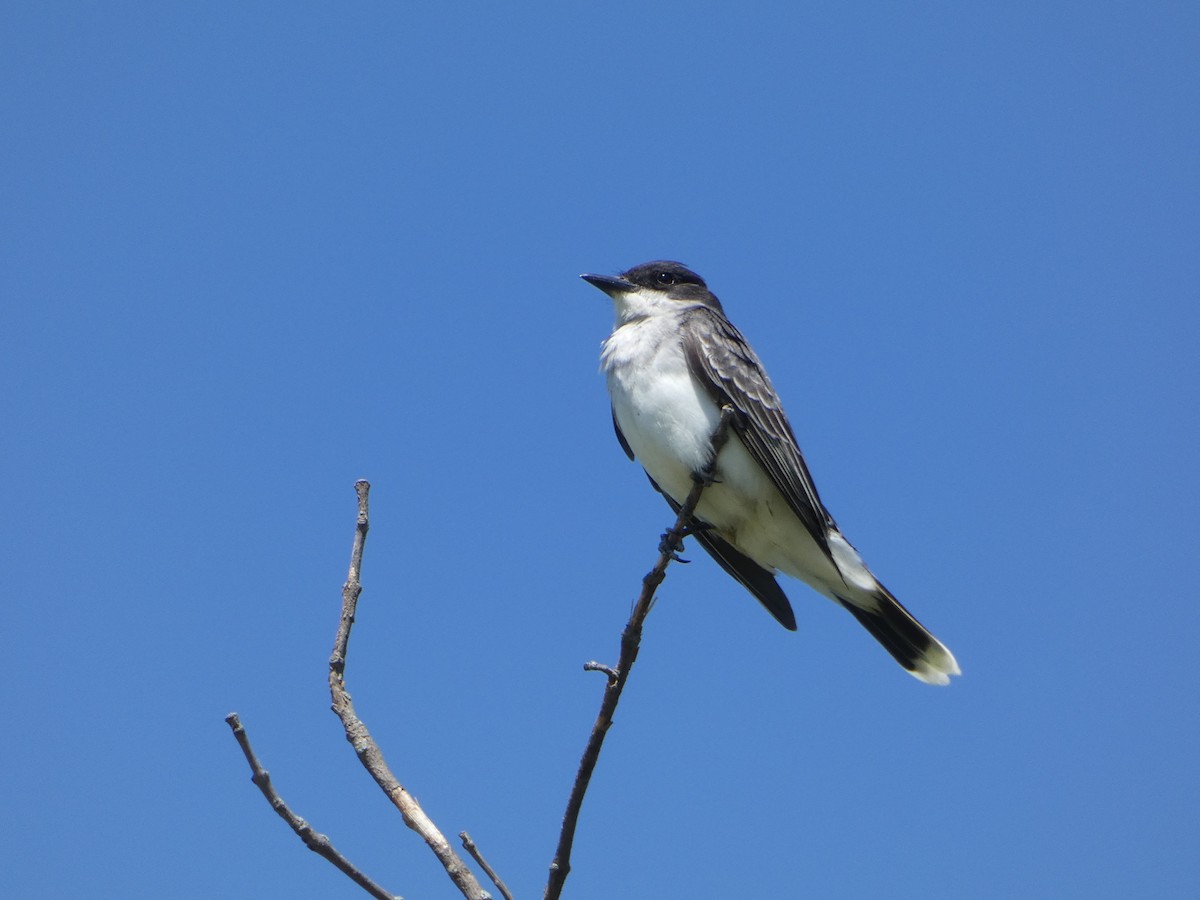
(660, 409)
(668, 420)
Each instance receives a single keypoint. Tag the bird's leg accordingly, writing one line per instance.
(672, 541)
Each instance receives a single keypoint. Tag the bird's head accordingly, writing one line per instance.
(661, 287)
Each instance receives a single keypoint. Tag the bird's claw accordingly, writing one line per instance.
(671, 544)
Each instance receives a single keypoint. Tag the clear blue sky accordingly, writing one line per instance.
(252, 252)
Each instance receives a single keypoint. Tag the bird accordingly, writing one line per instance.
(672, 362)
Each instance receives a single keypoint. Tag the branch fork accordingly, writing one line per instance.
(371, 756)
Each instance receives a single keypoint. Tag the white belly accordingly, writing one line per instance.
(668, 420)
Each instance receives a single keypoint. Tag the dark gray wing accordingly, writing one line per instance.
(753, 577)
(730, 371)
(757, 580)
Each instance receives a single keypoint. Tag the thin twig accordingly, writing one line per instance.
(594, 666)
(483, 863)
(360, 739)
(631, 639)
(313, 840)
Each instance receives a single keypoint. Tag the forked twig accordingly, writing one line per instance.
(631, 639)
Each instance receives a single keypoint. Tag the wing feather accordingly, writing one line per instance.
(721, 359)
(758, 581)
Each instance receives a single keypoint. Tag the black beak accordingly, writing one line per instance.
(608, 283)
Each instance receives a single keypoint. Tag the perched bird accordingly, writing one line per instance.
(672, 362)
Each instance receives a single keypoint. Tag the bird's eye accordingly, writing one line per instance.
(665, 278)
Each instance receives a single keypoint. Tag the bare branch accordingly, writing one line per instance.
(594, 666)
(360, 739)
(313, 840)
(631, 639)
(474, 851)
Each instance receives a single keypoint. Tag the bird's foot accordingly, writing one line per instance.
(671, 544)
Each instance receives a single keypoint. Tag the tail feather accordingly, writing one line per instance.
(906, 639)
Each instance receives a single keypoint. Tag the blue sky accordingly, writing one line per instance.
(253, 252)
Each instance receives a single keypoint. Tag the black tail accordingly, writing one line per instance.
(911, 645)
